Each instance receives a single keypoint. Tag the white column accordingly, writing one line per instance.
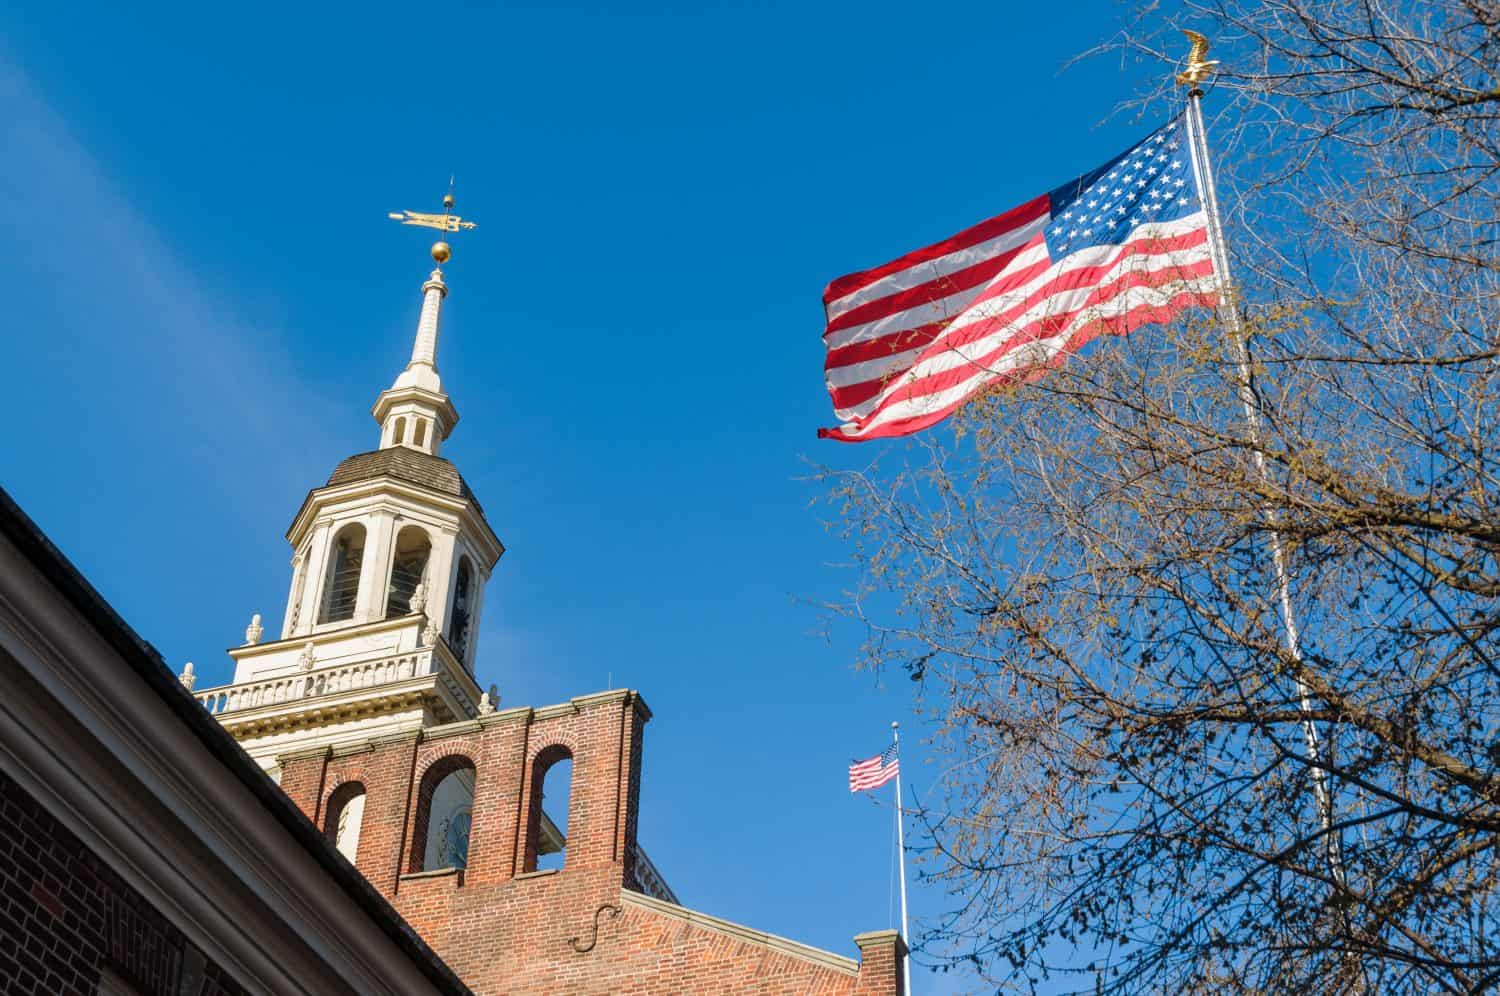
(440, 567)
(476, 610)
(317, 576)
(375, 572)
(293, 595)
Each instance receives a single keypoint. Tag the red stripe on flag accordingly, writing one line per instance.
(989, 229)
(933, 290)
(863, 777)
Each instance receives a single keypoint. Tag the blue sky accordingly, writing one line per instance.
(204, 298)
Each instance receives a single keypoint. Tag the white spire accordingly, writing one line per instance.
(416, 412)
(433, 291)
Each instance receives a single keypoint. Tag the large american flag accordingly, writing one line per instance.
(1117, 248)
(874, 772)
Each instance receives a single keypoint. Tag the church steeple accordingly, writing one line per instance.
(389, 562)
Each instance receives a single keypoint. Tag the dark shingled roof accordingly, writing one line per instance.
(411, 466)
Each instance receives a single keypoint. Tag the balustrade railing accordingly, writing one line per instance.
(321, 681)
(651, 881)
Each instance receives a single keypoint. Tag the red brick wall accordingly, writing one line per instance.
(65, 917)
(880, 959)
(504, 930)
(302, 776)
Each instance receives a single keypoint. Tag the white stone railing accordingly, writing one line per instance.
(322, 681)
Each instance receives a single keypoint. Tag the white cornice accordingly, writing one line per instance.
(469, 518)
(324, 637)
(441, 405)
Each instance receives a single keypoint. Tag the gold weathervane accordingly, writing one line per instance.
(445, 222)
(1197, 69)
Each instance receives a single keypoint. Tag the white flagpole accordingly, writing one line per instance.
(901, 855)
(1229, 315)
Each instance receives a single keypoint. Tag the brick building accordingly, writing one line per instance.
(505, 836)
(142, 853)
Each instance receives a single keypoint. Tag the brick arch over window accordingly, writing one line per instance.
(437, 780)
(336, 781)
(545, 760)
(344, 817)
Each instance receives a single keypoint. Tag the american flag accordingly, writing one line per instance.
(875, 772)
(1117, 248)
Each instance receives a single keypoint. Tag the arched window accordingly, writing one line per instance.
(419, 432)
(445, 814)
(346, 813)
(463, 605)
(551, 796)
(408, 565)
(399, 436)
(342, 586)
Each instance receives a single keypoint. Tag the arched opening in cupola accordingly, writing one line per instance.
(463, 607)
(399, 435)
(408, 567)
(341, 588)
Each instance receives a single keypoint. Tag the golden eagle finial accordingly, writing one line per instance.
(1198, 69)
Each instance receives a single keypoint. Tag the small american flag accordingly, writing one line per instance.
(875, 772)
(1120, 247)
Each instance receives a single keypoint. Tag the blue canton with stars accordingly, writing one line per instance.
(1151, 182)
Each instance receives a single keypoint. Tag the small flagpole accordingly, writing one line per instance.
(901, 856)
(1229, 314)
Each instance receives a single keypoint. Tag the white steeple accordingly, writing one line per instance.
(416, 412)
(390, 560)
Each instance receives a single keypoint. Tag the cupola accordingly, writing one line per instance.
(397, 531)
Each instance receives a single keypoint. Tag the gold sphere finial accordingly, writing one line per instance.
(441, 251)
(448, 201)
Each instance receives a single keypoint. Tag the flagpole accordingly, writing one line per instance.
(1229, 315)
(901, 856)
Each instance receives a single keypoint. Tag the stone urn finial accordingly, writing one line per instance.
(489, 700)
(308, 658)
(254, 630)
(187, 677)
